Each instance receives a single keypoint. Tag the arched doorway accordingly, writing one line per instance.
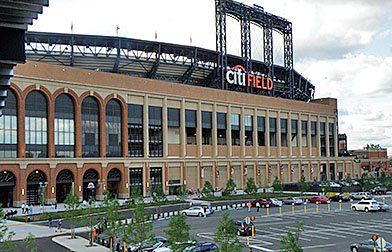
(35, 185)
(114, 179)
(90, 183)
(64, 182)
(7, 183)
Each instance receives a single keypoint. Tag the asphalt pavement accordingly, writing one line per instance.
(323, 231)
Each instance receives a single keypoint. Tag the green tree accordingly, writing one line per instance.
(366, 182)
(30, 243)
(229, 190)
(135, 195)
(250, 187)
(350, 182)
(276, 185)
(72, 210)
(290, 240)
(383, 179)
(302, 185)
(208, 190)
(42, 197)
(326, 185)
(92, 220)
(226, 235)
(139, 231)
(6, 243)
(182, 194)
(177, 232)
(372, 147)
(111, 207)
(159, 197)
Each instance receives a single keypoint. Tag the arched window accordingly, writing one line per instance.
(113, 129)
(9, 128)
(36, 130)
(90, 127)
(64, 126)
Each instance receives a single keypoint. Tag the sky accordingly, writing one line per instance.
(344, 47)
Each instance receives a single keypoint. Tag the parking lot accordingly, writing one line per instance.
(323, 231)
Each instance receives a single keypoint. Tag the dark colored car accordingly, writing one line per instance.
(380, 190)
(262, 202)
(319, 199)
(369, 245)
(339, 197)
(201, 247)
(243, 228)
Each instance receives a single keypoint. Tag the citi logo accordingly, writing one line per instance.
(238, 76)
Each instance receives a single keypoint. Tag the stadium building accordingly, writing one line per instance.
(95, 112)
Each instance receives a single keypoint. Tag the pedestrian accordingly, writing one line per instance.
(23, 208)
(50, 220)
(26, 208)
(31, 208)
(5, 218)
(9, 203)
(41, 209)
(59, 222)
(258, 206)
(55, 204)
(249, 206)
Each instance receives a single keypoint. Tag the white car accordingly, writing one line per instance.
(196, 211)
(275, 202)
(361, 195)
(366, 205)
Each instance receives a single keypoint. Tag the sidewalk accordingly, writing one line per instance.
(79, 244)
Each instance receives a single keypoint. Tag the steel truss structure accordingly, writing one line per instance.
(179, 63)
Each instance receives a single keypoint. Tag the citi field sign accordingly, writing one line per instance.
(238, 76)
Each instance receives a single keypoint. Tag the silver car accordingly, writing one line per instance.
(291, 200)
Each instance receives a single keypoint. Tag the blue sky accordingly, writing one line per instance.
(343, 46)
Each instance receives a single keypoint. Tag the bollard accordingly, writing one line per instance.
(280, 211)
(305, 208)
(316, 207)
(267, 211)
(125, 247)
(329, 208)
(253, 231)
(340, 205)
(292, 208)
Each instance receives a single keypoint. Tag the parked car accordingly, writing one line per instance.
(355, 182)
(369, 245)
(291, 200)
(361, 195)
(366, 205)
(319, 199)
(275, 202)
(202, 247)
(339, 197)
(383, 207)
(196, 211)
(379, 190)
(243, 228)
(148, 246)
(262, 202)
(167, 248)
(334, 184)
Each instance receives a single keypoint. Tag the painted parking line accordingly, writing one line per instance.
(283, 232)
(322, 231)
(318, 246)
(261, 248)
(349, 227)
(346, 231)
(369, 228)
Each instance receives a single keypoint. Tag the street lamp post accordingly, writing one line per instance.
(42, 187)
(101, 183)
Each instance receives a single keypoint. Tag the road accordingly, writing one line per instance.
(323, 231)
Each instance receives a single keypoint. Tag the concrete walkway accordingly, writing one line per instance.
(79, 244)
